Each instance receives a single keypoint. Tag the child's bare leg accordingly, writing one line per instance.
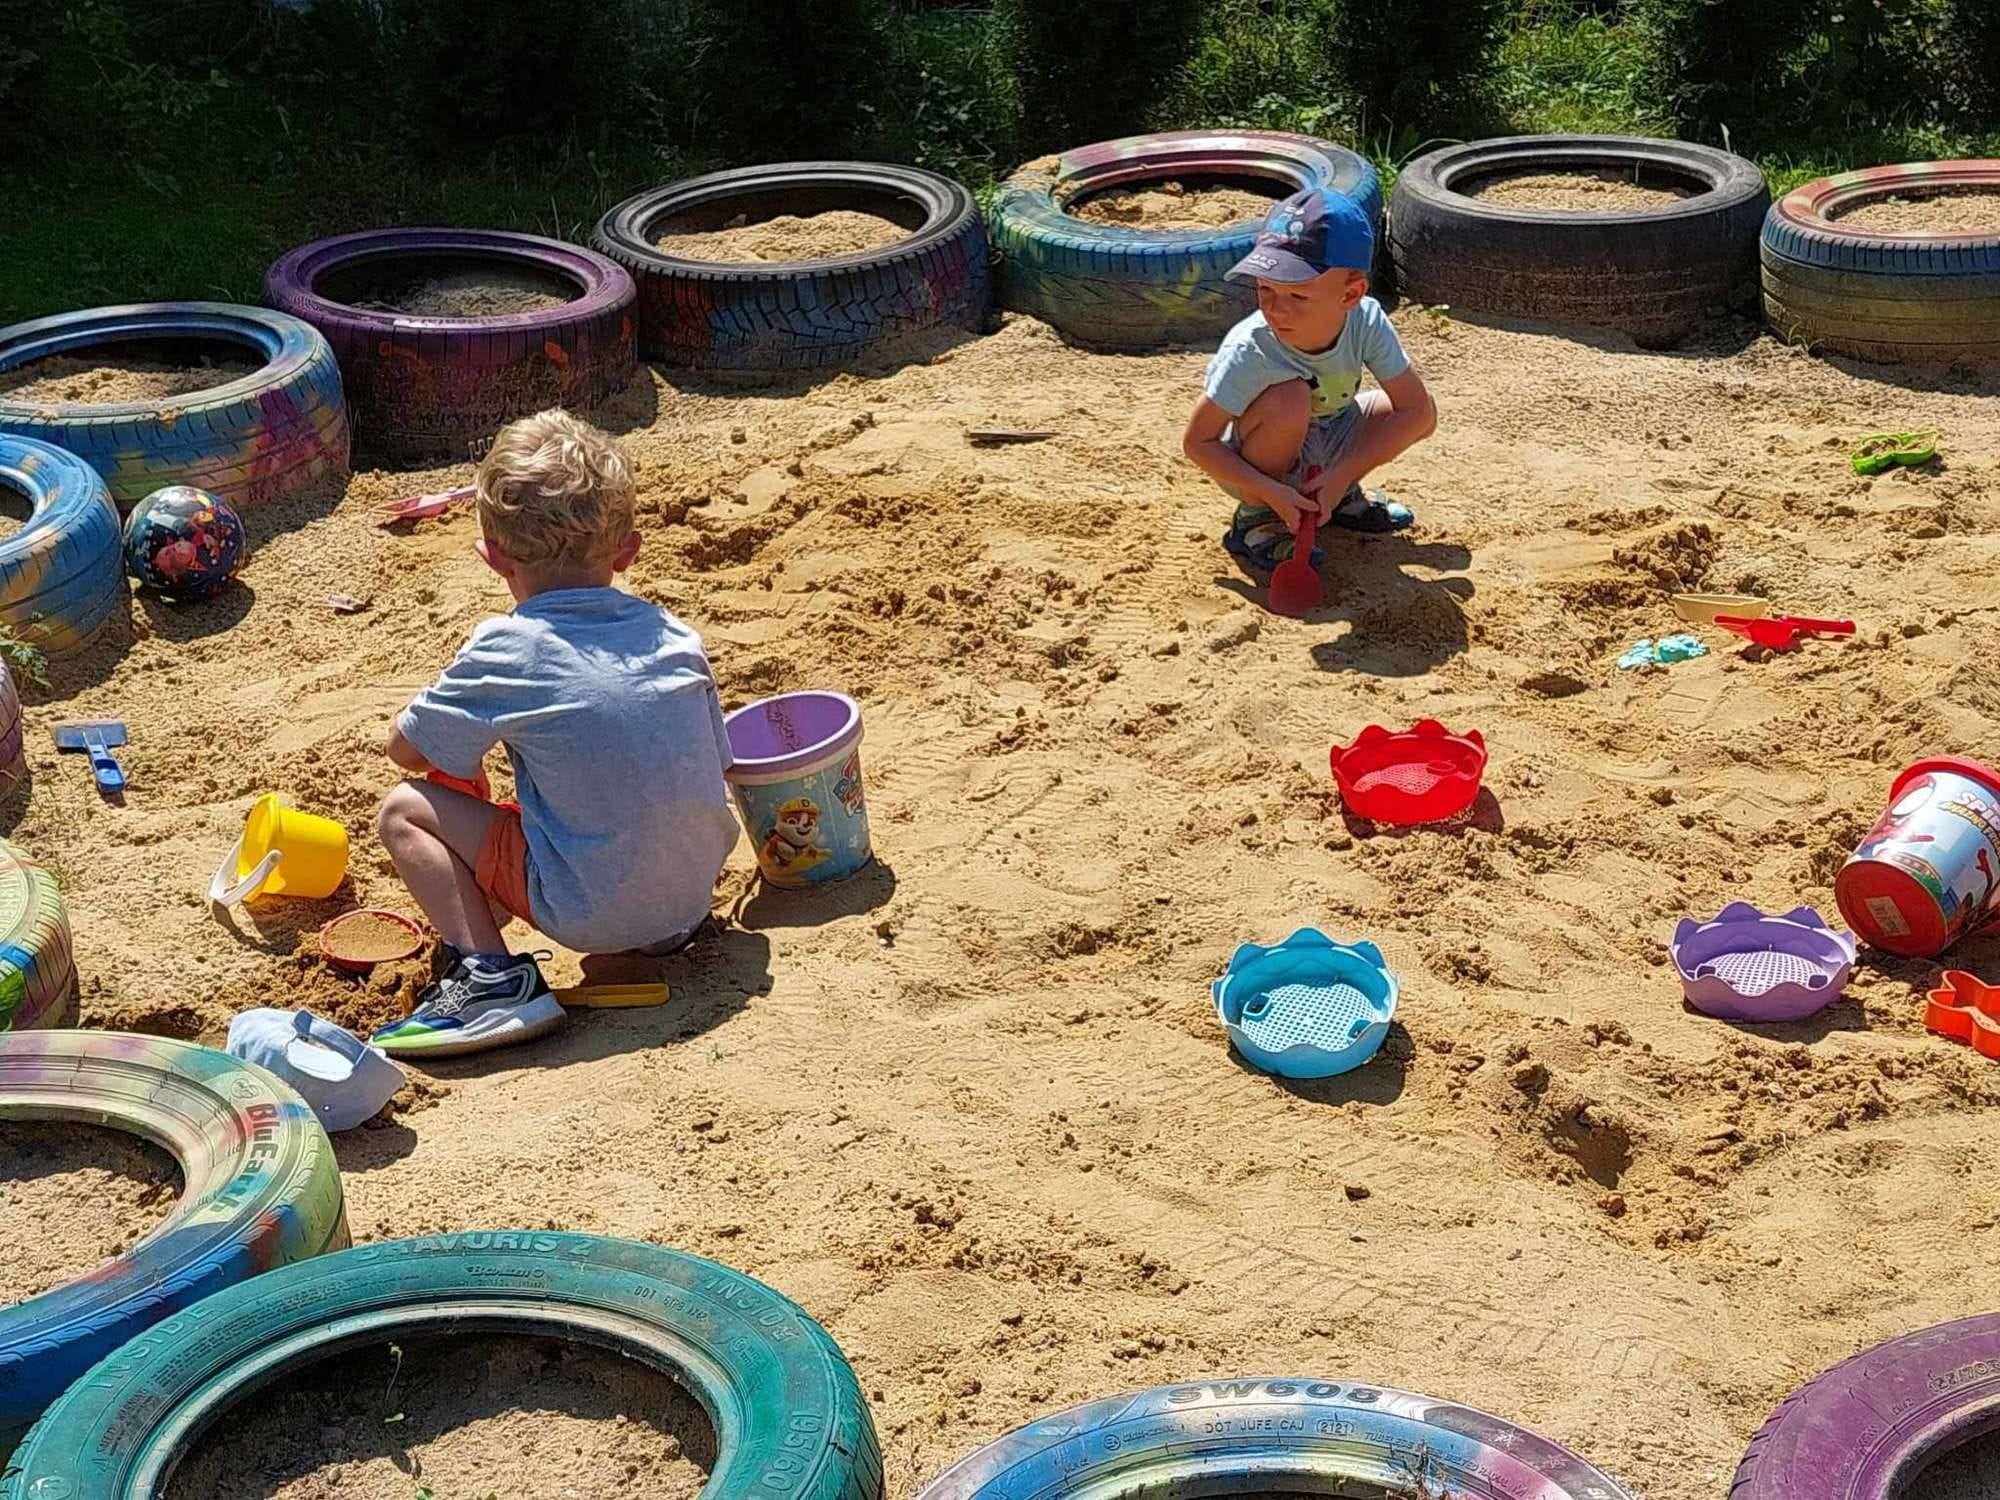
(433, 834)
(1271, 433)
(1384, 433)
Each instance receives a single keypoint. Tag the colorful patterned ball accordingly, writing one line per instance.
(184, 542)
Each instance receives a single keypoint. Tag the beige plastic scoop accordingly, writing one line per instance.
(1701, 609)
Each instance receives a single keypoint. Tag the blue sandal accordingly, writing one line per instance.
(1372, 512)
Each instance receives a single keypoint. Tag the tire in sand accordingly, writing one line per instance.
(427, 389)
(1865, 1429)
(37, 961)
(789, 1418)
(62, 575)
(1654, 273)
(766, 319)
(262, 437)
(1889, 296)
(262, 1190)
(13, 739)
(1112, 287)
(1291, 1436)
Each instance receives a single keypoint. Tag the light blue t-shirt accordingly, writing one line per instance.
(1252, 359)
(610, 717)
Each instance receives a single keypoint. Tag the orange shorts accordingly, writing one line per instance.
(502, 870)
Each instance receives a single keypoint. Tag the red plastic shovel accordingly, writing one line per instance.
(425, 507)
(1295, 587)
(1782, 631)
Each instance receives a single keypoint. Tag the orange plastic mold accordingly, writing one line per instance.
(1966, 1010)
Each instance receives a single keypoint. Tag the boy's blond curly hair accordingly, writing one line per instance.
(553, 489)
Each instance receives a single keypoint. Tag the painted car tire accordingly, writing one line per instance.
(263, 437)
(1877, 295)
(1865, 1429)
(1300, 1436)
(13, 734)
(755, 318)
(1117, 288)
(63, 574)
(262, 1190)
(37, 962)
(789, 1418)
(1653, 274)
(427, 390)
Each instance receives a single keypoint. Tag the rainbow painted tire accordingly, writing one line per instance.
(756, 319)
(789, 1419)
(37, 963)
(13, 734)
(63, 574)
(1888, 297)
(1117, 288)
(260, 438)
(262, 1190)
(428, 390)
(1299, 1436)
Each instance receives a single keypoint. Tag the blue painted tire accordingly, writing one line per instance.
(261, 1190)
(1116, 288)
(1300, 1436)
(37, 955)
(252, 440)
(63, 574)
(789, 1418)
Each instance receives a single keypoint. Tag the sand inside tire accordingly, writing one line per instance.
(1970, 1473)
(788, 237)
(478, 291)
(73, 378)
(458, 1417)
(1958, 212)
(1173, 205)
(1606, 192)
(74, 1196)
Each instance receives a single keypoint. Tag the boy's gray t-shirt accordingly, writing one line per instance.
(611, 719)
(1252, 359)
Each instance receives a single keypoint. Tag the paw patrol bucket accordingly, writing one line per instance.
(797, 781)
(1928, 873)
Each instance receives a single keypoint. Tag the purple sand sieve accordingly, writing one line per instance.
(1746, 966)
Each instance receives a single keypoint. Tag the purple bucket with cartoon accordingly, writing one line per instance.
(797, 781)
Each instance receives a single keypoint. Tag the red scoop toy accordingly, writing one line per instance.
(1295, 587)
(1421, 775)
(1781, 632)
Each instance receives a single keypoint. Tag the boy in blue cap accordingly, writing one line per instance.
(1283, 424)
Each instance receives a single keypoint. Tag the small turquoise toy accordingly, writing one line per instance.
(1662, 653)
(1309, 1007)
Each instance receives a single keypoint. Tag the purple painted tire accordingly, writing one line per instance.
(1869, 1426)
(425, 390)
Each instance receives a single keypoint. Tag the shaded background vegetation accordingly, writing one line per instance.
(157, 148)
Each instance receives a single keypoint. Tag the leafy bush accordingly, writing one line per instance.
(780, 78)
(1972, 49)
(1425, 67)
(955, 108)
(1261, 65)
(1090, 72)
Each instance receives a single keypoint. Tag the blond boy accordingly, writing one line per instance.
(611, 721)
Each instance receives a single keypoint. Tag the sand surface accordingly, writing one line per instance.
(464, 1418)
(476, 292)
(973, 1108)
(64, 377)
(73, 1196)
(1972, 1473)
(788, 237)
(1173, 205)
(1575, 192)
(1931, 213)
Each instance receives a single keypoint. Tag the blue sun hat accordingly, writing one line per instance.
(345, 1080)
(1308, 1007)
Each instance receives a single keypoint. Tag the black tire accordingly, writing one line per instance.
(1889, 297)
(428, 389)
(62, 576)
(262, 1190)
(263, 437)
(790, 1420)
(753, 318)
(1115, 288)
(1653, 274)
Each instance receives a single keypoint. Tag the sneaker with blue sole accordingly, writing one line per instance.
(475, 1006)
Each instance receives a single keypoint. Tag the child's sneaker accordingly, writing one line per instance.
(476, 1005)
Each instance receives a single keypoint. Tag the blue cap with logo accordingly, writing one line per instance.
(1307, 234)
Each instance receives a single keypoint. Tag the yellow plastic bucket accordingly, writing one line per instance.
(282, 852)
